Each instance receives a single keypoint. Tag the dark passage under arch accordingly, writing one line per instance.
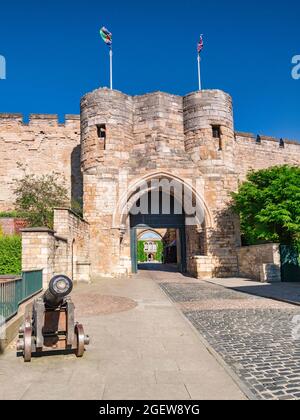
(160, 220)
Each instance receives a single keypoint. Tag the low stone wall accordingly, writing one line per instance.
(260, 262)
(39, 251)
(77, 231)
(63, 251)
(201, 267)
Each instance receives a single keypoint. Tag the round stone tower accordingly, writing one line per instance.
(106, 128)
(106, 140)
(208, 125)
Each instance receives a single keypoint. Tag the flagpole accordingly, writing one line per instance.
(199, 72)
(111, 68)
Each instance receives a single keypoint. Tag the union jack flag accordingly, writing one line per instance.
(200, 45)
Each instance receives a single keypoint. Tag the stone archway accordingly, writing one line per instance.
(141, 186)
(190, 227)
(150, 231)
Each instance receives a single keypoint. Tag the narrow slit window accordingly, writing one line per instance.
(216, 131)
(101, 130)
(220, 144)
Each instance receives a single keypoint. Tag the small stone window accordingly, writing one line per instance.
(216, 131)
(101, 131)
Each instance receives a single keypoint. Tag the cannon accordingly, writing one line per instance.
(51, 328)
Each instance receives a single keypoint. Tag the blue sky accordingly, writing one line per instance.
(54, 54)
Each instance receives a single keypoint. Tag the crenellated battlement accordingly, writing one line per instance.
(252, 137)
(139, 132)
(41, 144)
(47, 119)
(253, 153)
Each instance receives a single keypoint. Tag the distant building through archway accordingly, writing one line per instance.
(150, 247)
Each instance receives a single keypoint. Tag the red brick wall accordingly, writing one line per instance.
(12, 226)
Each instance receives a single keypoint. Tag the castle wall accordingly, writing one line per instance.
(42, 146)
(254, 259)
(158, 127)
(250, 155)
(167, 134)
(125, 139)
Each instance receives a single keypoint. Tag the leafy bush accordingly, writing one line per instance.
(10, 255)
(269, 206)
(13, 214)
(37, 196)
(142, 257)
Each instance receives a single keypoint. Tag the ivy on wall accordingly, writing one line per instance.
(142, 256)
(160, 251)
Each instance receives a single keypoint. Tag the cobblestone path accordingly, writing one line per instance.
(253, 335)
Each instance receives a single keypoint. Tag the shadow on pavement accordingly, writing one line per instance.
(287, 292)
(166, 268)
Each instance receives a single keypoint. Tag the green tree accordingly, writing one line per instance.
(37, 196)
(269, 206)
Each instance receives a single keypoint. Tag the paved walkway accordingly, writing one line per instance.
(286, 292)
(258, 338)
(148, 351)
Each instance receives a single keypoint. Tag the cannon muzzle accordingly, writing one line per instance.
(59, 288)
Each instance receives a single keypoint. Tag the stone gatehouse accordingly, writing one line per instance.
(109, 157)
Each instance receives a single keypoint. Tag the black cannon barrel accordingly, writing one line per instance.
(59, 288)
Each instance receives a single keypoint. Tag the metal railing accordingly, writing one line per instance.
(16, 291)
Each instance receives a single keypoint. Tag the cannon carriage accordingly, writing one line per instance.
(52, 327)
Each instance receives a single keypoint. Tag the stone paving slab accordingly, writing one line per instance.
(198, 292)
(285, 292)
(147, 352)
(257, 342)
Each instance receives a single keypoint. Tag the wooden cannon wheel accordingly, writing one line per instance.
(27, 340)
(80, 337)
